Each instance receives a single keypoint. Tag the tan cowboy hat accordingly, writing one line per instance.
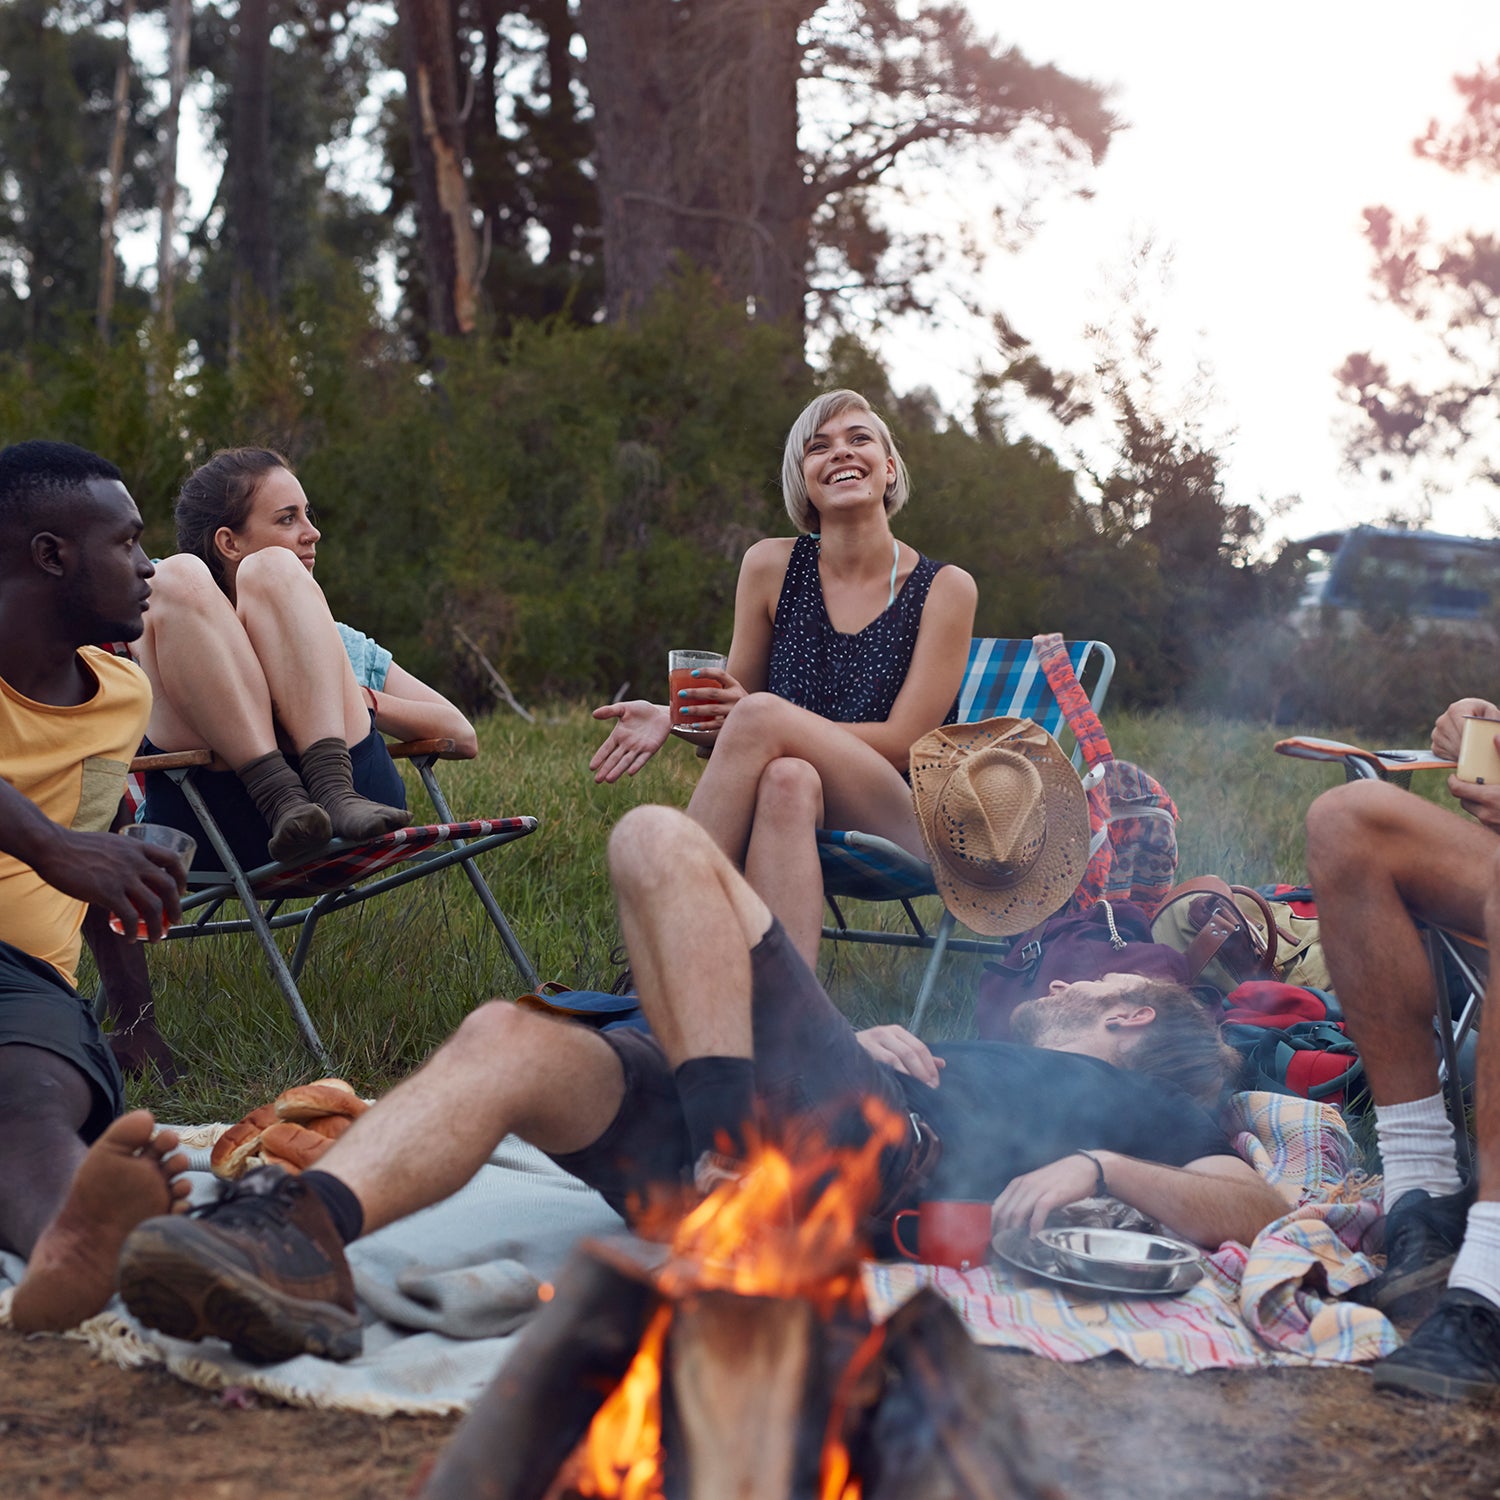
(1005, 821)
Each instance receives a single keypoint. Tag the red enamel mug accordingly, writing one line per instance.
(950, 1232)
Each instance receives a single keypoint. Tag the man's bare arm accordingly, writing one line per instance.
(99, 868)
(1209, 1201)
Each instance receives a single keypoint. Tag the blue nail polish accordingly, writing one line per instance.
(695, 671)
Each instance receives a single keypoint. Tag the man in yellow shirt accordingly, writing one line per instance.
(72, 576)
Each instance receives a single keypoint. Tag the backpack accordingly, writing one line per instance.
(1133, 848)
(1111, 937)
(1293, 1042)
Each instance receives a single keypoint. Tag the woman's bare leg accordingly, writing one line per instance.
(291, 630)
(770, 830)
(209, 689)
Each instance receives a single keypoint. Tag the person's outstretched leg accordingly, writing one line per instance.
(1378, 857)
(1455, 1354)
(64, 1207)
(210, 693)
(317, 701)
(265, 1269)
(856, 787)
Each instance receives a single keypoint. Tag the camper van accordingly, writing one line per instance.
(1380, 576)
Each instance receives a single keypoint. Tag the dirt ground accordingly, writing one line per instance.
(71, 1426)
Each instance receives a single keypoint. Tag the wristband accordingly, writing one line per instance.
(1101, 1187)
(370, 700)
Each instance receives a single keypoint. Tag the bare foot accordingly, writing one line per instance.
(125, 1178)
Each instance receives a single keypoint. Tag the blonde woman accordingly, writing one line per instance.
(848, 646)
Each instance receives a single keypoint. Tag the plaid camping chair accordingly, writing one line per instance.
(1459, 962)
(339, 876)
(1004, 678)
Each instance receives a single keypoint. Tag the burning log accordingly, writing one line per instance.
(565, 1364)
(743, 1367)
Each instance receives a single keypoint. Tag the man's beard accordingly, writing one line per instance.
(1054, 1018)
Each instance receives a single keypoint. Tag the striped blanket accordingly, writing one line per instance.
(1270, 1303)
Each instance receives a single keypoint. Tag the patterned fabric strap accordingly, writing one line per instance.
(1074, 702)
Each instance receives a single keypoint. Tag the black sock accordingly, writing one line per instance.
(338, 1198)
(718, 1103)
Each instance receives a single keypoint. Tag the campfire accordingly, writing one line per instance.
(738, 1362)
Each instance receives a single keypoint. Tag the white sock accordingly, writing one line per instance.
(1477, 1268)
(1416, 1148)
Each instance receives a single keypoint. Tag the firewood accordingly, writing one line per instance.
(739, 1369)
(944, 1428)
(566, 1362)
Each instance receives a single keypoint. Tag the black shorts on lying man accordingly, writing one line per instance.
(752, 1038)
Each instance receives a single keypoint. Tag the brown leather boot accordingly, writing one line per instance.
(263, 1269)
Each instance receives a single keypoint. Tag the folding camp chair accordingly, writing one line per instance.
(1459, 962)
(341, 875)
(1003, 679)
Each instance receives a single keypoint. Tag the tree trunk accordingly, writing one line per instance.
(179, 30)
(695, 120)
(630, 51)
(106, 302)
(251, 208)
(449, 244)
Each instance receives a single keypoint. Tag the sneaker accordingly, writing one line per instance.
(1422, 1236)
(263, 1269)
(1454, 1355)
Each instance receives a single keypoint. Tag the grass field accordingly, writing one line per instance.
(389, 980)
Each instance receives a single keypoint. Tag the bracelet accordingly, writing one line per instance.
(370, 700)
(1101, 1187)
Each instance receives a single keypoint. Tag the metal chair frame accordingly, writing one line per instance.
(208, 891)
(1023, 693)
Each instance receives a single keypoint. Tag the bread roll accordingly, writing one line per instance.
(330, 1126)
(329, 1096)
(286, 1144)
(233, 1150)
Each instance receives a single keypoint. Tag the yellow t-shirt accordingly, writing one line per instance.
(72, 763)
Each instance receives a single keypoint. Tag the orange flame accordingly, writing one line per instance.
(790, 1225)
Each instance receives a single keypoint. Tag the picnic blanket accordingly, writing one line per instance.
(473, 1263)
(1271, 1303)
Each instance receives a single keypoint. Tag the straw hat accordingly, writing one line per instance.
(1005, 821)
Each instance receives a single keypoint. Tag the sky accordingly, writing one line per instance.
(1257, 135)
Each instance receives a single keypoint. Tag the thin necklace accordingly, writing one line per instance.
(817, 536)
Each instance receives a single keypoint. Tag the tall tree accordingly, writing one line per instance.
(179, 35)
(114, 172)
(749, 135)
(450, 245)
(248, 168)
(1443, 421)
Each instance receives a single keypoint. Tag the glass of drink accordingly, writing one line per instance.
(158, 834)
(680, 668)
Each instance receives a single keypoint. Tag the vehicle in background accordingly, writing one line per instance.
(1382, 576)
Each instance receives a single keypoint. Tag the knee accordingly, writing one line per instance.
(755, 721)
(789, 789)
(495, 1029)
(1347, 827)
(651, 841)
(265, 577)
(183, 585)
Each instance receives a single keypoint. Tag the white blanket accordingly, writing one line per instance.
(473, 1262)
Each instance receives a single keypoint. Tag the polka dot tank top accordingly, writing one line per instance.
(850, 679)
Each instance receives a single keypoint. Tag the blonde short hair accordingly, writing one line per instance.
(818, 411)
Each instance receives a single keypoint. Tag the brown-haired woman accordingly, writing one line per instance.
(246, 660)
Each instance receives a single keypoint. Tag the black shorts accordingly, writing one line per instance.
(375, 777)
(38, 1008)
(810, 1071)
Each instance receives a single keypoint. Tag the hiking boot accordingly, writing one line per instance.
(1454, 1355)
(263, 1269)
(1422, 1236)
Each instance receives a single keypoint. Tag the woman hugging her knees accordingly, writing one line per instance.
(246, 660)
(848, 646)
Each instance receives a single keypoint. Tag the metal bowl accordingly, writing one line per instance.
(1118, 1257)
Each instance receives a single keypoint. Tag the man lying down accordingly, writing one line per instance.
(1111, 1086)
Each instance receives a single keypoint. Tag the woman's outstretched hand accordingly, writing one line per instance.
(713, 694)
(640, 730)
